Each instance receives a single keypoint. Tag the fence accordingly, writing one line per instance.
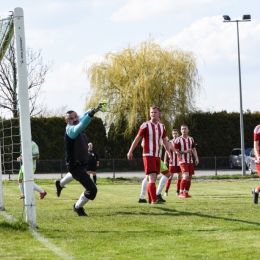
(113, 165)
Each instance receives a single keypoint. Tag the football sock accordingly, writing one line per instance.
(21, 188)
(178, 185)
(66, 179)
(81, 202)
(152, 189)
(37, 188)
(182, 186)
(187, 185)
(162, 182)
(168, 184)
(149, 196)
(144, 188)
(95, 178)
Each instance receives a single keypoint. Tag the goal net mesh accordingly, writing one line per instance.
(10, 140)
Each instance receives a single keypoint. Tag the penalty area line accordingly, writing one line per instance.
(42, 239)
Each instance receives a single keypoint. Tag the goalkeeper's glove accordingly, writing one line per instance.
(100, 107)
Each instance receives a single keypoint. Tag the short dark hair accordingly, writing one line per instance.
(70, 111)
(155, 107)
(175, 130)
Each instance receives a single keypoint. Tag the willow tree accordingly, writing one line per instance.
(135, 78)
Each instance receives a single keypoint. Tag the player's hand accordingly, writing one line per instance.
(130, 156)
(19, 159)
(196, 161)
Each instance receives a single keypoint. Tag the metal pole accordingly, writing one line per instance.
(241, 108)
(216, 165)
(114, 175)
(61, 169)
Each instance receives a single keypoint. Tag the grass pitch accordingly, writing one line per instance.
(220, 221)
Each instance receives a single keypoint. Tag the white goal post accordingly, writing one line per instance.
(25, 125)
(1, 186)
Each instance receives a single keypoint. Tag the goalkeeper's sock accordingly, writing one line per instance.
(81, 202)
(66, 179)
(95, 179)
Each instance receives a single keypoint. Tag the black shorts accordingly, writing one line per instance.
(92, 167)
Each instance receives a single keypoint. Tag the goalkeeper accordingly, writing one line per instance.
(76, 146)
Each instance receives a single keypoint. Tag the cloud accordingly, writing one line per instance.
(215, 44)
(215, 40)
(136, 10)
(68, 85)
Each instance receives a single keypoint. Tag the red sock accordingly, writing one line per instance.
(187, 185)
(182, 185)
(178, 184)
(152, 190)
(149, 195)
(168, 184)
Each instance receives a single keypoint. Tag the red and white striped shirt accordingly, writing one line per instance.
(152, 138)
(175, 161)
(183, 144)
(257, 137)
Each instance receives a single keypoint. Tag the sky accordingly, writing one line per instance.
(74, 34)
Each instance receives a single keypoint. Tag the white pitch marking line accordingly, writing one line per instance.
(42, 239)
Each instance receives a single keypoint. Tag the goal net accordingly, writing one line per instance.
(6, 34)
(15, 128)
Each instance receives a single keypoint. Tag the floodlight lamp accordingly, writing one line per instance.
(226, 18)
(246, 17)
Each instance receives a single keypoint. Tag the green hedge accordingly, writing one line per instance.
(216, 134)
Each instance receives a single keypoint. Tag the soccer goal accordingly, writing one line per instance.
(15, 128)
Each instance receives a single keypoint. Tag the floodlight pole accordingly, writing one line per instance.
(227, 19)
(241, 107)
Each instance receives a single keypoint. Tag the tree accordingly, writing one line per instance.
(36, 70)
(60, 111)
(136, 78)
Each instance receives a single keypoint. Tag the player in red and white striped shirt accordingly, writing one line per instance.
(174, 166)
(255, 191)
(186, 146)
(153, 133)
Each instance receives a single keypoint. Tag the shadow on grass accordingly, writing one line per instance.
(16, 225)
(172, 212)
(209, 216)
